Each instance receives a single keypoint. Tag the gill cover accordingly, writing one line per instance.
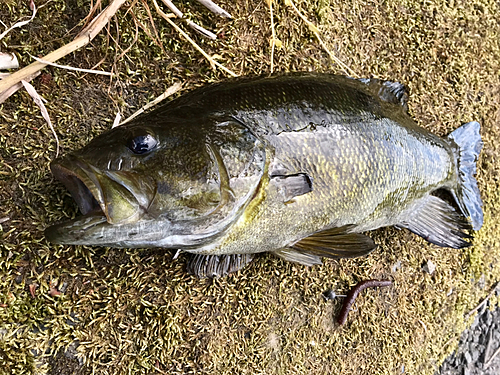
(187, 192)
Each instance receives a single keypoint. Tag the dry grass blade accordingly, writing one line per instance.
(201, 30)
(20, 23)
(213, 63)
(38, 100)
(8, 61)
(315, 31)
(173, 8)
(273, 33)
(190, 23)
(210, 5)
(84, 38)
(72, 68)
(117, 120)
(13, 89)
(168, 92)
(487, 364)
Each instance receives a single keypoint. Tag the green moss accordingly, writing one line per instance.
(137, 311)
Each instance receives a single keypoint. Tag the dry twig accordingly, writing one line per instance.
(483, 302)
(210, 5)
(488, 363)
(273, 34)
(190, 23)
(168, 92)
(213, 63)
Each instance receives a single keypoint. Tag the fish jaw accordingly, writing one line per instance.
(94, 230)
(120, 197)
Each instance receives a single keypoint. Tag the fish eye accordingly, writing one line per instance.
(142, 143)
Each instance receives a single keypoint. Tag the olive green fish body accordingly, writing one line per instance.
(297, 164)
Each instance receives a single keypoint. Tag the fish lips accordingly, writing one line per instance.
(120, 196)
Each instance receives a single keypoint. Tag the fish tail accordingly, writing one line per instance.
(466, 194)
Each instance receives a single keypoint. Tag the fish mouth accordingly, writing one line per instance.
(121, 197)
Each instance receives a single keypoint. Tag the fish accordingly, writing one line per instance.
(299, 165)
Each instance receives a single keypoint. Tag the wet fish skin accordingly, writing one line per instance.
(298, 165)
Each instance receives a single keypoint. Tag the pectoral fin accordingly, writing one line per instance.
(330, 243)
(291, 186)
(212, 266)
(439, 223)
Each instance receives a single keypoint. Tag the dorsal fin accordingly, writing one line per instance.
(388, 91)
(336, 243)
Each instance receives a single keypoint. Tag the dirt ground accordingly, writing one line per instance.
(138, 311)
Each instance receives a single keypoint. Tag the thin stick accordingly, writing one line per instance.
(482, 302)
(168, 92)
(215, 8)
(173, 8)
(84, 38)
(201, 29)
(273, 41)
(72, 68)
(190, 23)
(212, 62)
(315, 31)
(157, 38)
(136, 37)
(487, 364)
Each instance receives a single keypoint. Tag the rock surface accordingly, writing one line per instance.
(477, 351)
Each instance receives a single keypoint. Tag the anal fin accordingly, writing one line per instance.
(204, 266)
(439, 223)
(336, 243)
(295, 256)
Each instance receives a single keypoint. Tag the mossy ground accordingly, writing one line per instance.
(137, 311)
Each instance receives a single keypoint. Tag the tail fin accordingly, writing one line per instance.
(467, 195)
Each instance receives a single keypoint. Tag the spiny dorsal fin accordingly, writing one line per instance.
(439, 223)
(388, 91)
(336, 243)
(212, 266)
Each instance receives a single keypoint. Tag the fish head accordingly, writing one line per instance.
(180, 184)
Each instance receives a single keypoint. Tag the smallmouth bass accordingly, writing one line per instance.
(298, 165)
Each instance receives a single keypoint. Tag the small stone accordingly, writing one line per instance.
(466, 371)
(481, 283)
(468, 358)
(396, 266)
(429, 267)
(64, 286)
(329, 294)
(475, 354)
